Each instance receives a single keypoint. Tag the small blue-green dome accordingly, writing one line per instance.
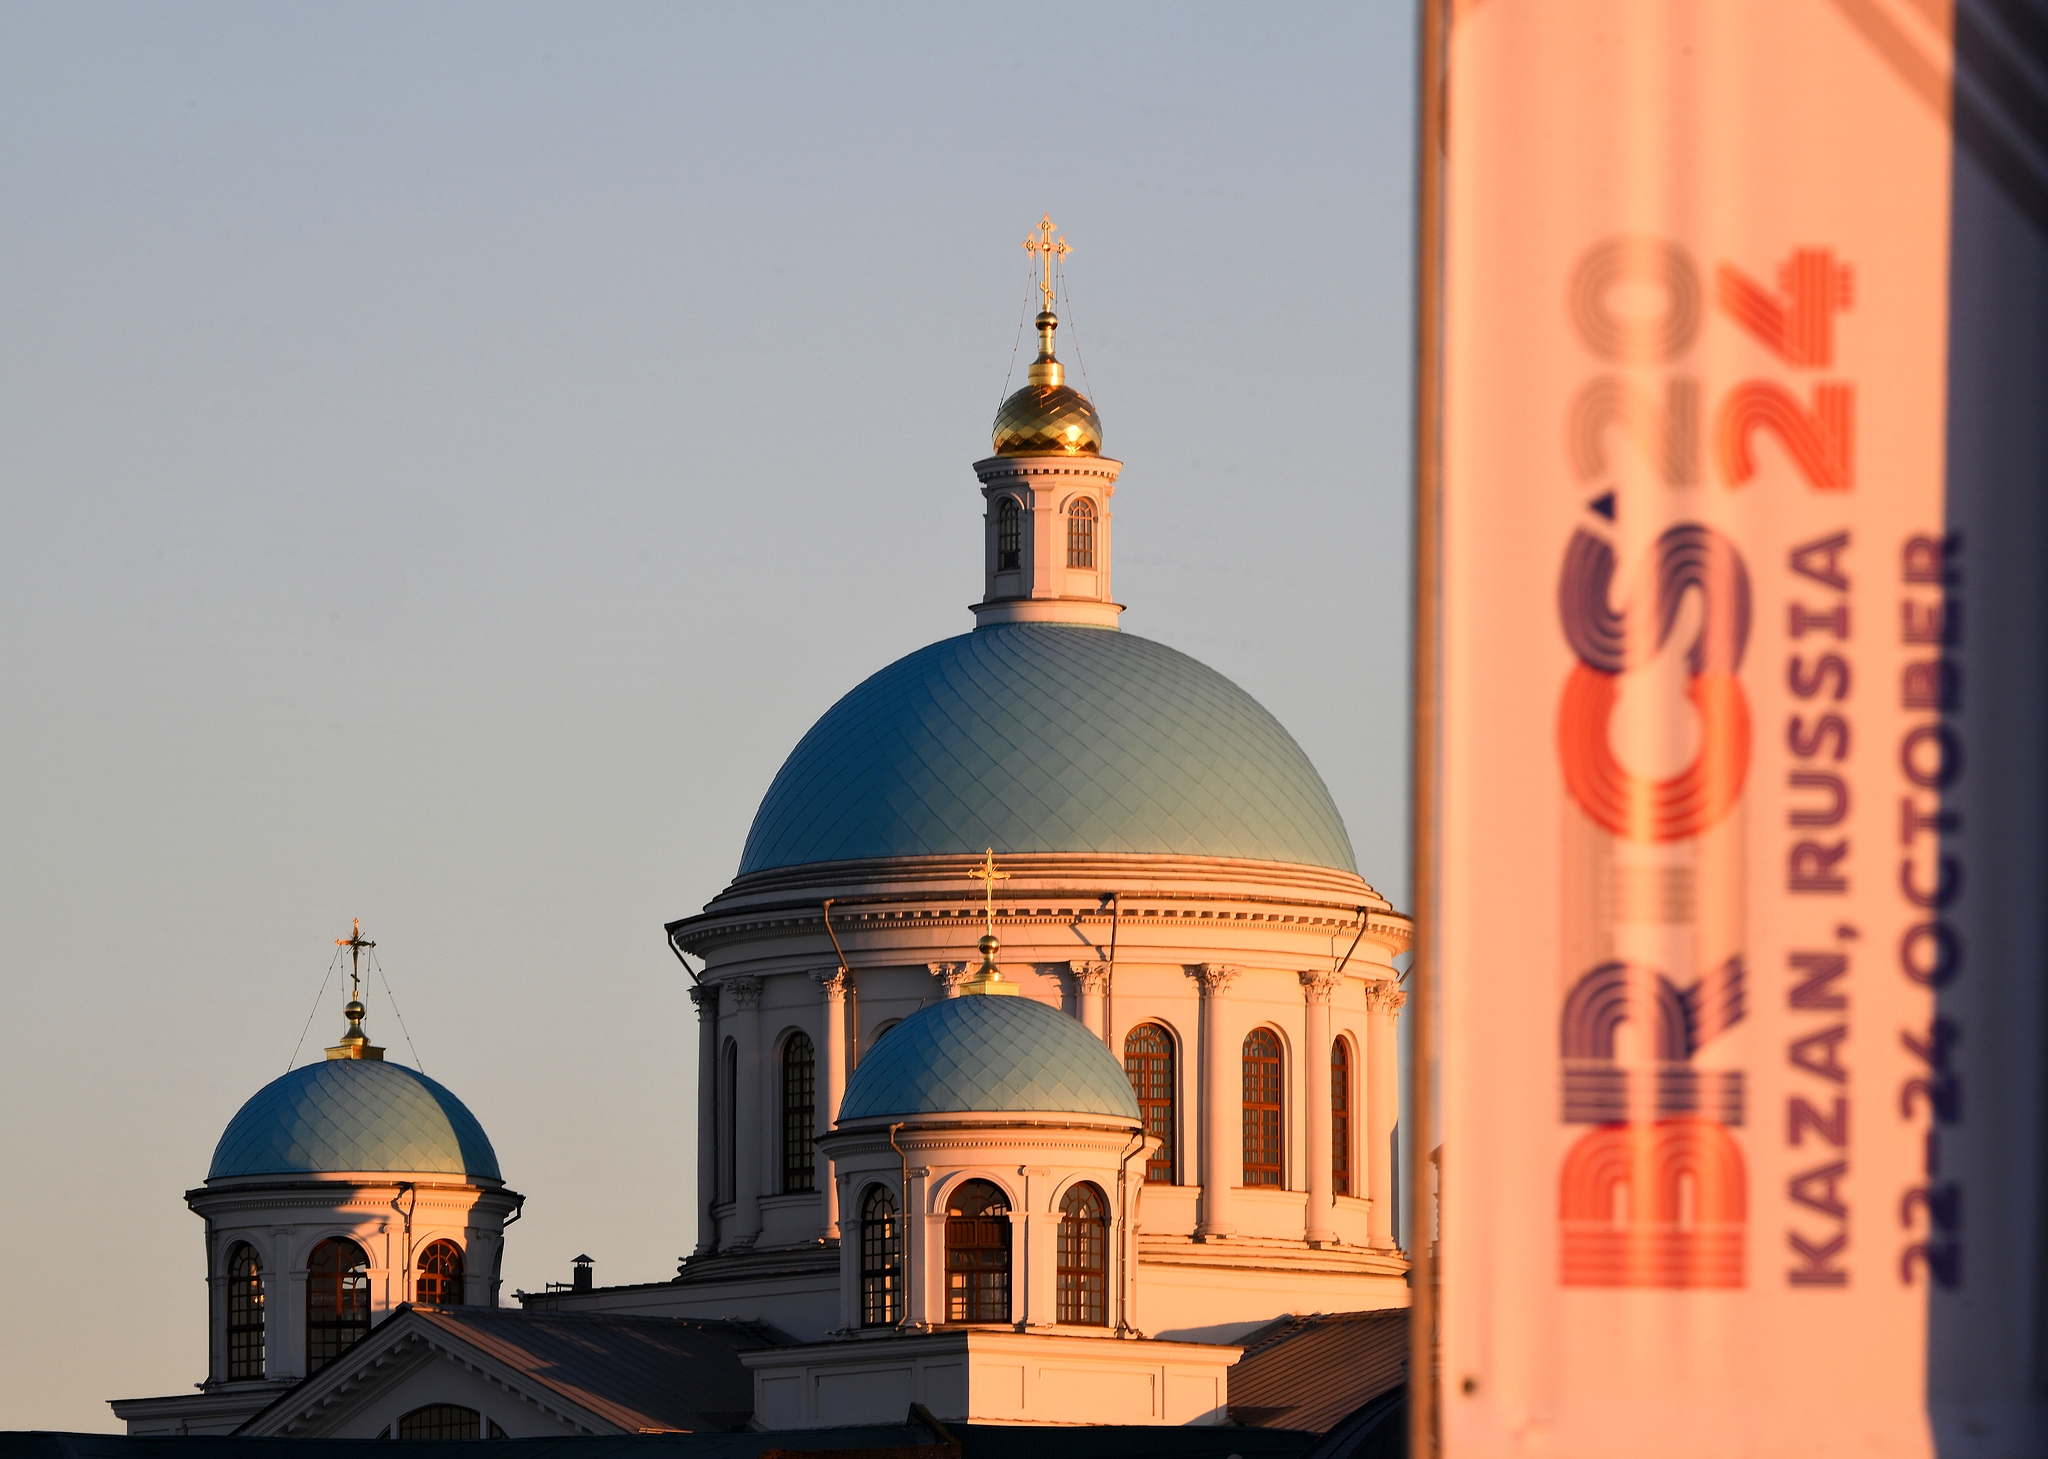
(1040, 737)
(354, 1114)
(979, 1054)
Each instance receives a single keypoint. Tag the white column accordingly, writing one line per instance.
(1319, 1151)
(705, 996)
(747, 1152)
(1092, 982)
(1221, 1118)
(1383, 1000)
(831, 1085)
(950, 976)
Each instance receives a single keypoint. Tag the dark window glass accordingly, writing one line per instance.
(978, 1254)
(496, 1432)
(245, 1313)
(444, 1421)
(1084, 1257)
(881, 1260)
(1148, 1060)
(1009, 535)
(1081, 534)
(728, 1121)
(1340, 1118)
(337, 1301)
(439, 1283)
(1262, 1108)
(799, 1114)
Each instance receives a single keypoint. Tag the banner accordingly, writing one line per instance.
(1743, 747)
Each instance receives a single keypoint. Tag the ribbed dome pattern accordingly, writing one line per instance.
(978, 1054)
(354, 1114)
(1034, 737)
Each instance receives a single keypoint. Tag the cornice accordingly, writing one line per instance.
(1092, 891)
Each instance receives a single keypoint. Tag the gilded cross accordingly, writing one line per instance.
(987, 873)
(355, 942)
(1049, 251)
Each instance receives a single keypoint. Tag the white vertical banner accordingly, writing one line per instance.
(1696, 706)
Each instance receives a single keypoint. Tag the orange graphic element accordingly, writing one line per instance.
(1798, 322)
(1820, 441)
(1656, 1205)
(1677, 807)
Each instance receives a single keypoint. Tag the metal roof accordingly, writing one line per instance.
(986, 1055)
(1039, 737)
(637, 1372)
(1310, 1372)
(354, 1114)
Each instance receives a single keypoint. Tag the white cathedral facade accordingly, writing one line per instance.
(1047, 1046)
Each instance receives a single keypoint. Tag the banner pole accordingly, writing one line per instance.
(1423, 1407)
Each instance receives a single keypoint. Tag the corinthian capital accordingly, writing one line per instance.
(705, 996)
(832, 981)
(746, 993)
(949, 975)
(1214, 977)
(1318, 986)
(1384, 995)
(1090, 977)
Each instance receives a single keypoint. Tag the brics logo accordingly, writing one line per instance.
(1654, 1205)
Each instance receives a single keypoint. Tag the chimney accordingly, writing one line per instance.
(580, 1282)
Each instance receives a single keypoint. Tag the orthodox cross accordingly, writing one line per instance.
(1049, 251)
(987, 873)
(355, 943)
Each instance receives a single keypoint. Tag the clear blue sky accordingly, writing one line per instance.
(450, 454)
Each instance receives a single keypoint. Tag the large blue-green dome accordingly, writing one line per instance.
(980, 1054)
(354, 1114)
(1039, 737)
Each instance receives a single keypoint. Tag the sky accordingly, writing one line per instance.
(449, 455)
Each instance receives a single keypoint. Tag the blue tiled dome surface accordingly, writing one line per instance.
(986, 1055)
(354, 1114)
(1032, 737)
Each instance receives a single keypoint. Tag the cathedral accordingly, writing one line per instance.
(1047, 1072)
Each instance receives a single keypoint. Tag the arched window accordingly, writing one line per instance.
(1081, 534)
(1148, 1060)
(1009, 535)
(978, 1254)
(442, 1421)
(799, 1114)
(881, 1259)
(337, 1301)
(1262, 1108)
(728, 1122)
(245, 1313)
(439, 1283)
(882, 1029)
(1340, 1117)
(1084, 1257)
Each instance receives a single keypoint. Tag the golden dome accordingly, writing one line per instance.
(1046, 420)
(1047, 417)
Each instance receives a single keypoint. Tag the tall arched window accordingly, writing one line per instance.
(1009, 535)
(1148, 1060)
(439, 1283)
(799, 1114)
(337, 1301)
(978, 1254)
(1262, 1108)
(245, 1313)
(728, 1121)
(1340, 1117)
(1081, 534)
(1084, 1257)
(881, 1259)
